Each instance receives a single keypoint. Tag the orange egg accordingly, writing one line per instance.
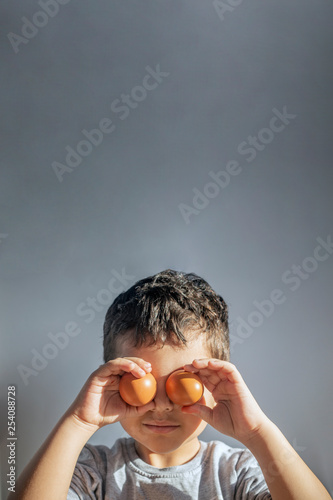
(184, 388)
(137, 391)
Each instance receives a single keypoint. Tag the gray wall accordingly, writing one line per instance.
(124, 206)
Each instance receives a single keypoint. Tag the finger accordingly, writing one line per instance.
(201, 411)
(207, 383)
(206, 374)
(133, 411)
(140, 410)
(119, 366)
(223, 369)
(145, 365)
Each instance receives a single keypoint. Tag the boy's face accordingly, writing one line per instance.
(165, 446)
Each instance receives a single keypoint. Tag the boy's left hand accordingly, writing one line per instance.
(236, 413)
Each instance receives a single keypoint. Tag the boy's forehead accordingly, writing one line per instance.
(165, 357)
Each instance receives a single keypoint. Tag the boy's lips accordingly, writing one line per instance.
(161, 426)
(162, 423)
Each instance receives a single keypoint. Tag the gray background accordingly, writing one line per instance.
(119, 208)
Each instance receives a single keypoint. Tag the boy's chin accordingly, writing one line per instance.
(157, 446)
(165, 447)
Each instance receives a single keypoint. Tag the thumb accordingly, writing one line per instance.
(201, 411)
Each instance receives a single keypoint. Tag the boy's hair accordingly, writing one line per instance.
(162, 308)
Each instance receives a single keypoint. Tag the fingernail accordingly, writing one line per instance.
(141, 372)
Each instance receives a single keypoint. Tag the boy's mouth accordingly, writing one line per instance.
(161, 427)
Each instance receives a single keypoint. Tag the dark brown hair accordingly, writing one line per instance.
(163, 308)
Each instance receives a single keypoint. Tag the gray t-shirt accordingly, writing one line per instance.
(217, 472)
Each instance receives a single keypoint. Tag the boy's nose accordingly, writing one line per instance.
(161, 400)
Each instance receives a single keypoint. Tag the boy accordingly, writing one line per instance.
(162, 323)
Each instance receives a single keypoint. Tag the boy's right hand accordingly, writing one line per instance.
(99, 402)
